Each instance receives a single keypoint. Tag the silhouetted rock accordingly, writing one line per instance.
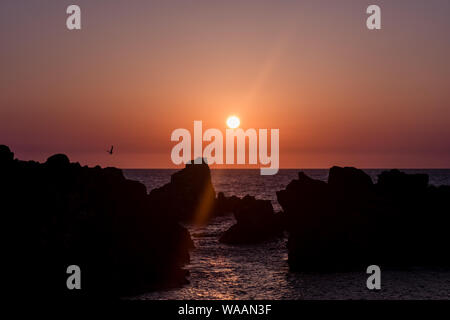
(189, 197)
(395, 182)
(304, 192)
(349, 179)
(256, 222)
(350, 223)
(59, 161)
(226, 205)
(58, 213)
(5, 154)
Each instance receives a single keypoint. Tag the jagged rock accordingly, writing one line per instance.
(350, 223)
(59, 213)
(313, 224)
(189, 197)
(256, 222)
(305, 192)
(226, 205)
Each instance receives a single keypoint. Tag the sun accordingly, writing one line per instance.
(233, 122)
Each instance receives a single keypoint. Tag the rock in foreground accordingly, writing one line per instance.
(188, 197)
(59, 214)
(350, 222)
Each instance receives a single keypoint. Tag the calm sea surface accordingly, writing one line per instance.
(219, 271)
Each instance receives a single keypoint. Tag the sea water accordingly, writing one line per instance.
(220, 271)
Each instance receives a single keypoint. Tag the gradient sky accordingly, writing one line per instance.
(339, 93)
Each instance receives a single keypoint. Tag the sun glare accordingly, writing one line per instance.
(233, 122)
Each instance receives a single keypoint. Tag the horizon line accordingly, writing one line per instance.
(379, 168)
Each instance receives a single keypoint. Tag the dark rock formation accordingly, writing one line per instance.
(349, 180)
(58, 213)
(256, 222)
(395, 182)
(58, 161)
(350, 222)
(189, 197)
(226, 205)
(5, 154)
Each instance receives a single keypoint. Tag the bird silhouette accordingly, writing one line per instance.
(110, 151)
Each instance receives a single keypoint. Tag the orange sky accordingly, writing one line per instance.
(339, 93)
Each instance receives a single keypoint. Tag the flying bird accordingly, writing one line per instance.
(110, 151)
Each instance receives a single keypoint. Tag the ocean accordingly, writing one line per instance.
(220, 271)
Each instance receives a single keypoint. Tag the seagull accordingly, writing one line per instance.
(110, 151)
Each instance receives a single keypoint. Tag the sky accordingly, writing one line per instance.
(340, 94)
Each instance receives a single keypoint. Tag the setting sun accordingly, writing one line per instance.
(233, 122)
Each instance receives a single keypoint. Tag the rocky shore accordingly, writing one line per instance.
(350, 222)
(59, 213)
(127, 241)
